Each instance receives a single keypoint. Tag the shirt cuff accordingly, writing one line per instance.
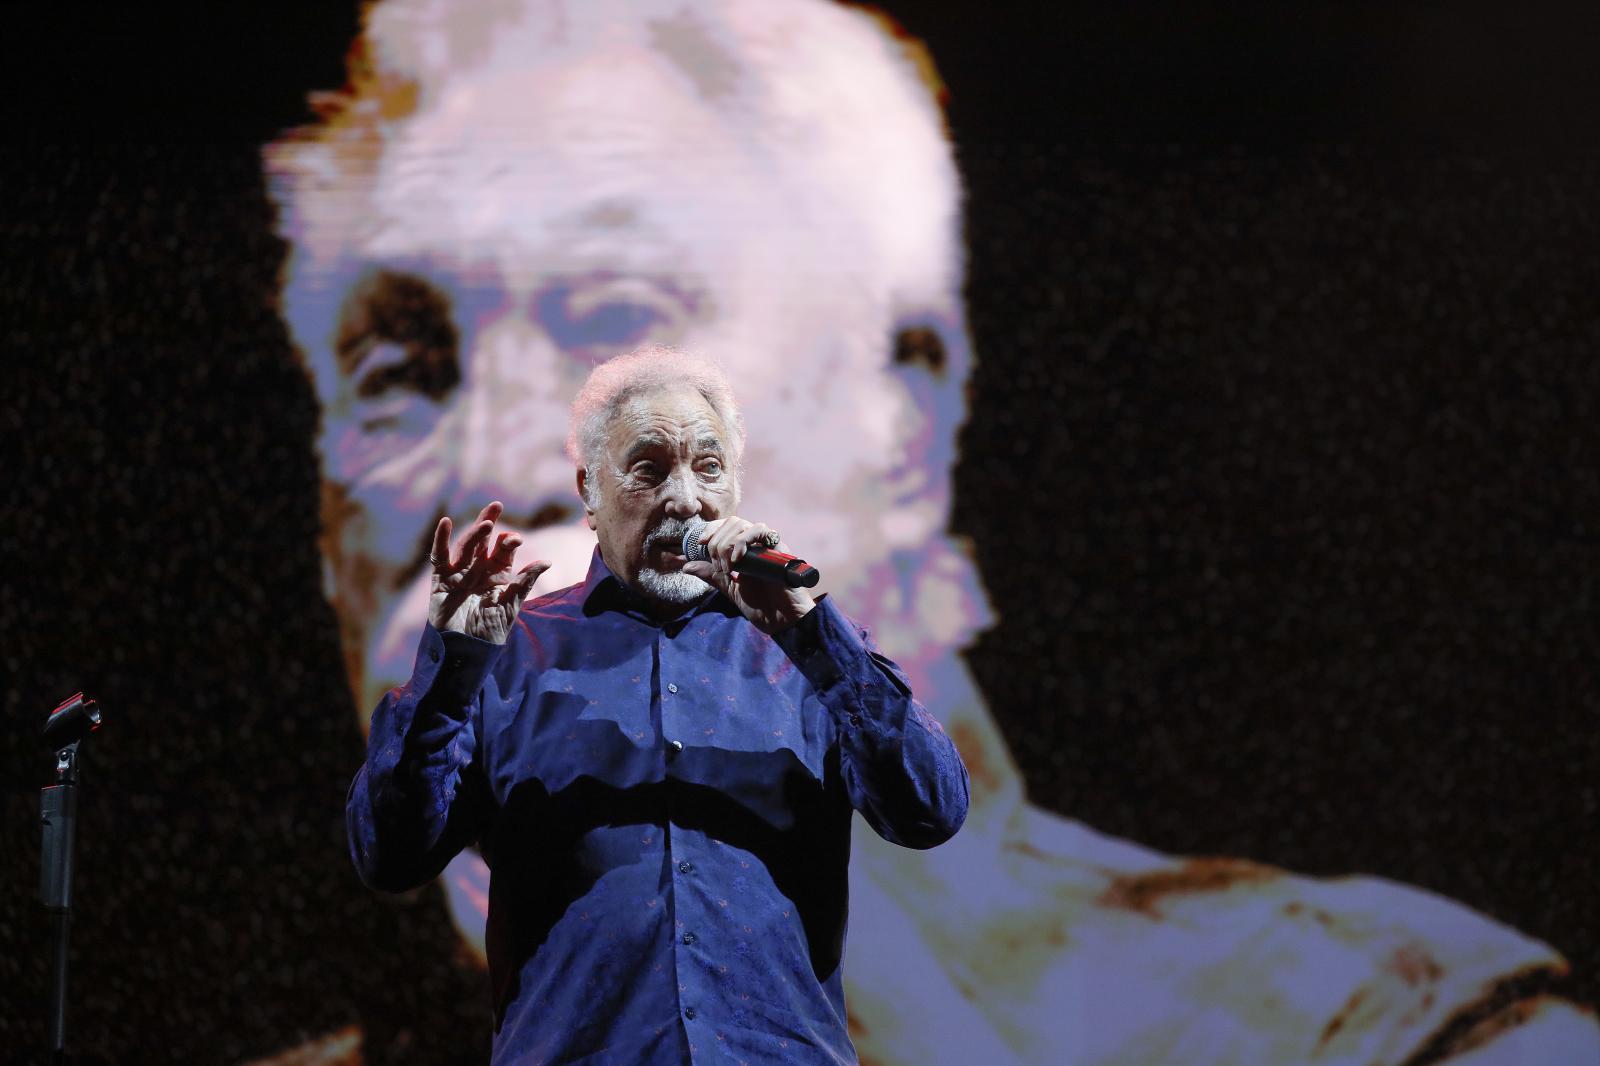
(827, 648)
(453, 666)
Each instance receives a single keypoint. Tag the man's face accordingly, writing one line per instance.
(665, 461)
(452, 291)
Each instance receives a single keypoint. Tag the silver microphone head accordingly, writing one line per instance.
(693, 550)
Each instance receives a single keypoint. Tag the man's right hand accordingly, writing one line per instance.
(473, 588)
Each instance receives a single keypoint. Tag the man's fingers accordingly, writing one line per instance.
(505, 551)
(728, 544)
(717, 537)
(755, 533)
(727, 540)
(439, 554)
(474, 546)
(734, 548)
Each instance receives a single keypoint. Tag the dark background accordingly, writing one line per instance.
(1282, 471)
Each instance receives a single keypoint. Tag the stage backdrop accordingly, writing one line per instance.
(1202, 409)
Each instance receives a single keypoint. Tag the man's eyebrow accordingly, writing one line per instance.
(708, 442)
(642, 445)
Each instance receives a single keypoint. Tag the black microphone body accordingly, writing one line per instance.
(768, 564)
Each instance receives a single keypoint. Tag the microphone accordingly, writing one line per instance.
(768, 564)
(73, 719)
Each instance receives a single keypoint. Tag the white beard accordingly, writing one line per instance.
(673, 586)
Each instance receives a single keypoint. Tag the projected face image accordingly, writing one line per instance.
(458, 269)
(507, 194)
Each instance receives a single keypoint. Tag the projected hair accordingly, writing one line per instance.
(859, 94)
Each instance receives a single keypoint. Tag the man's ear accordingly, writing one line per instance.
(583, 494)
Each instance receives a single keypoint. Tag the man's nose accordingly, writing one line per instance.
(511, 422)
(683, 496)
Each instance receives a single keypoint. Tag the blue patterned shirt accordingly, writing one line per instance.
(665, 808)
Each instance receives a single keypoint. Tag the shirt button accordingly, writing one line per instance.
(688, 1012)
(685, 867)
(672, 688)
(689, 938)
(674, 746)
(433, 654)
(855, 719)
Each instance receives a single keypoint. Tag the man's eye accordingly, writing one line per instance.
(388, 367)
(608, 314)
(711, 468)
(396, 333)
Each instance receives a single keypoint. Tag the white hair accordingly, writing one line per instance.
(840, 104)
(615, 381)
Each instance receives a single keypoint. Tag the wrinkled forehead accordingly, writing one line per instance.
(494, 130)
(668, 417)
(607, 160)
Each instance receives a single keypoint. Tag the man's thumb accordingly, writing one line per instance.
(523, 584)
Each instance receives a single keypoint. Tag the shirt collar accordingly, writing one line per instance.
(599, 577)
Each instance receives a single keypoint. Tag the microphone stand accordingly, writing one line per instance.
(68, 725)
(58, 808)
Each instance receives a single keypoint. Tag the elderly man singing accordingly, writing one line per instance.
(659, 763)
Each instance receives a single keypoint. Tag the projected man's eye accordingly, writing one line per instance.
(397, 338)
(608, 315)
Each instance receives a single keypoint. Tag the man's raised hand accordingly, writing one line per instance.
(474, 591)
